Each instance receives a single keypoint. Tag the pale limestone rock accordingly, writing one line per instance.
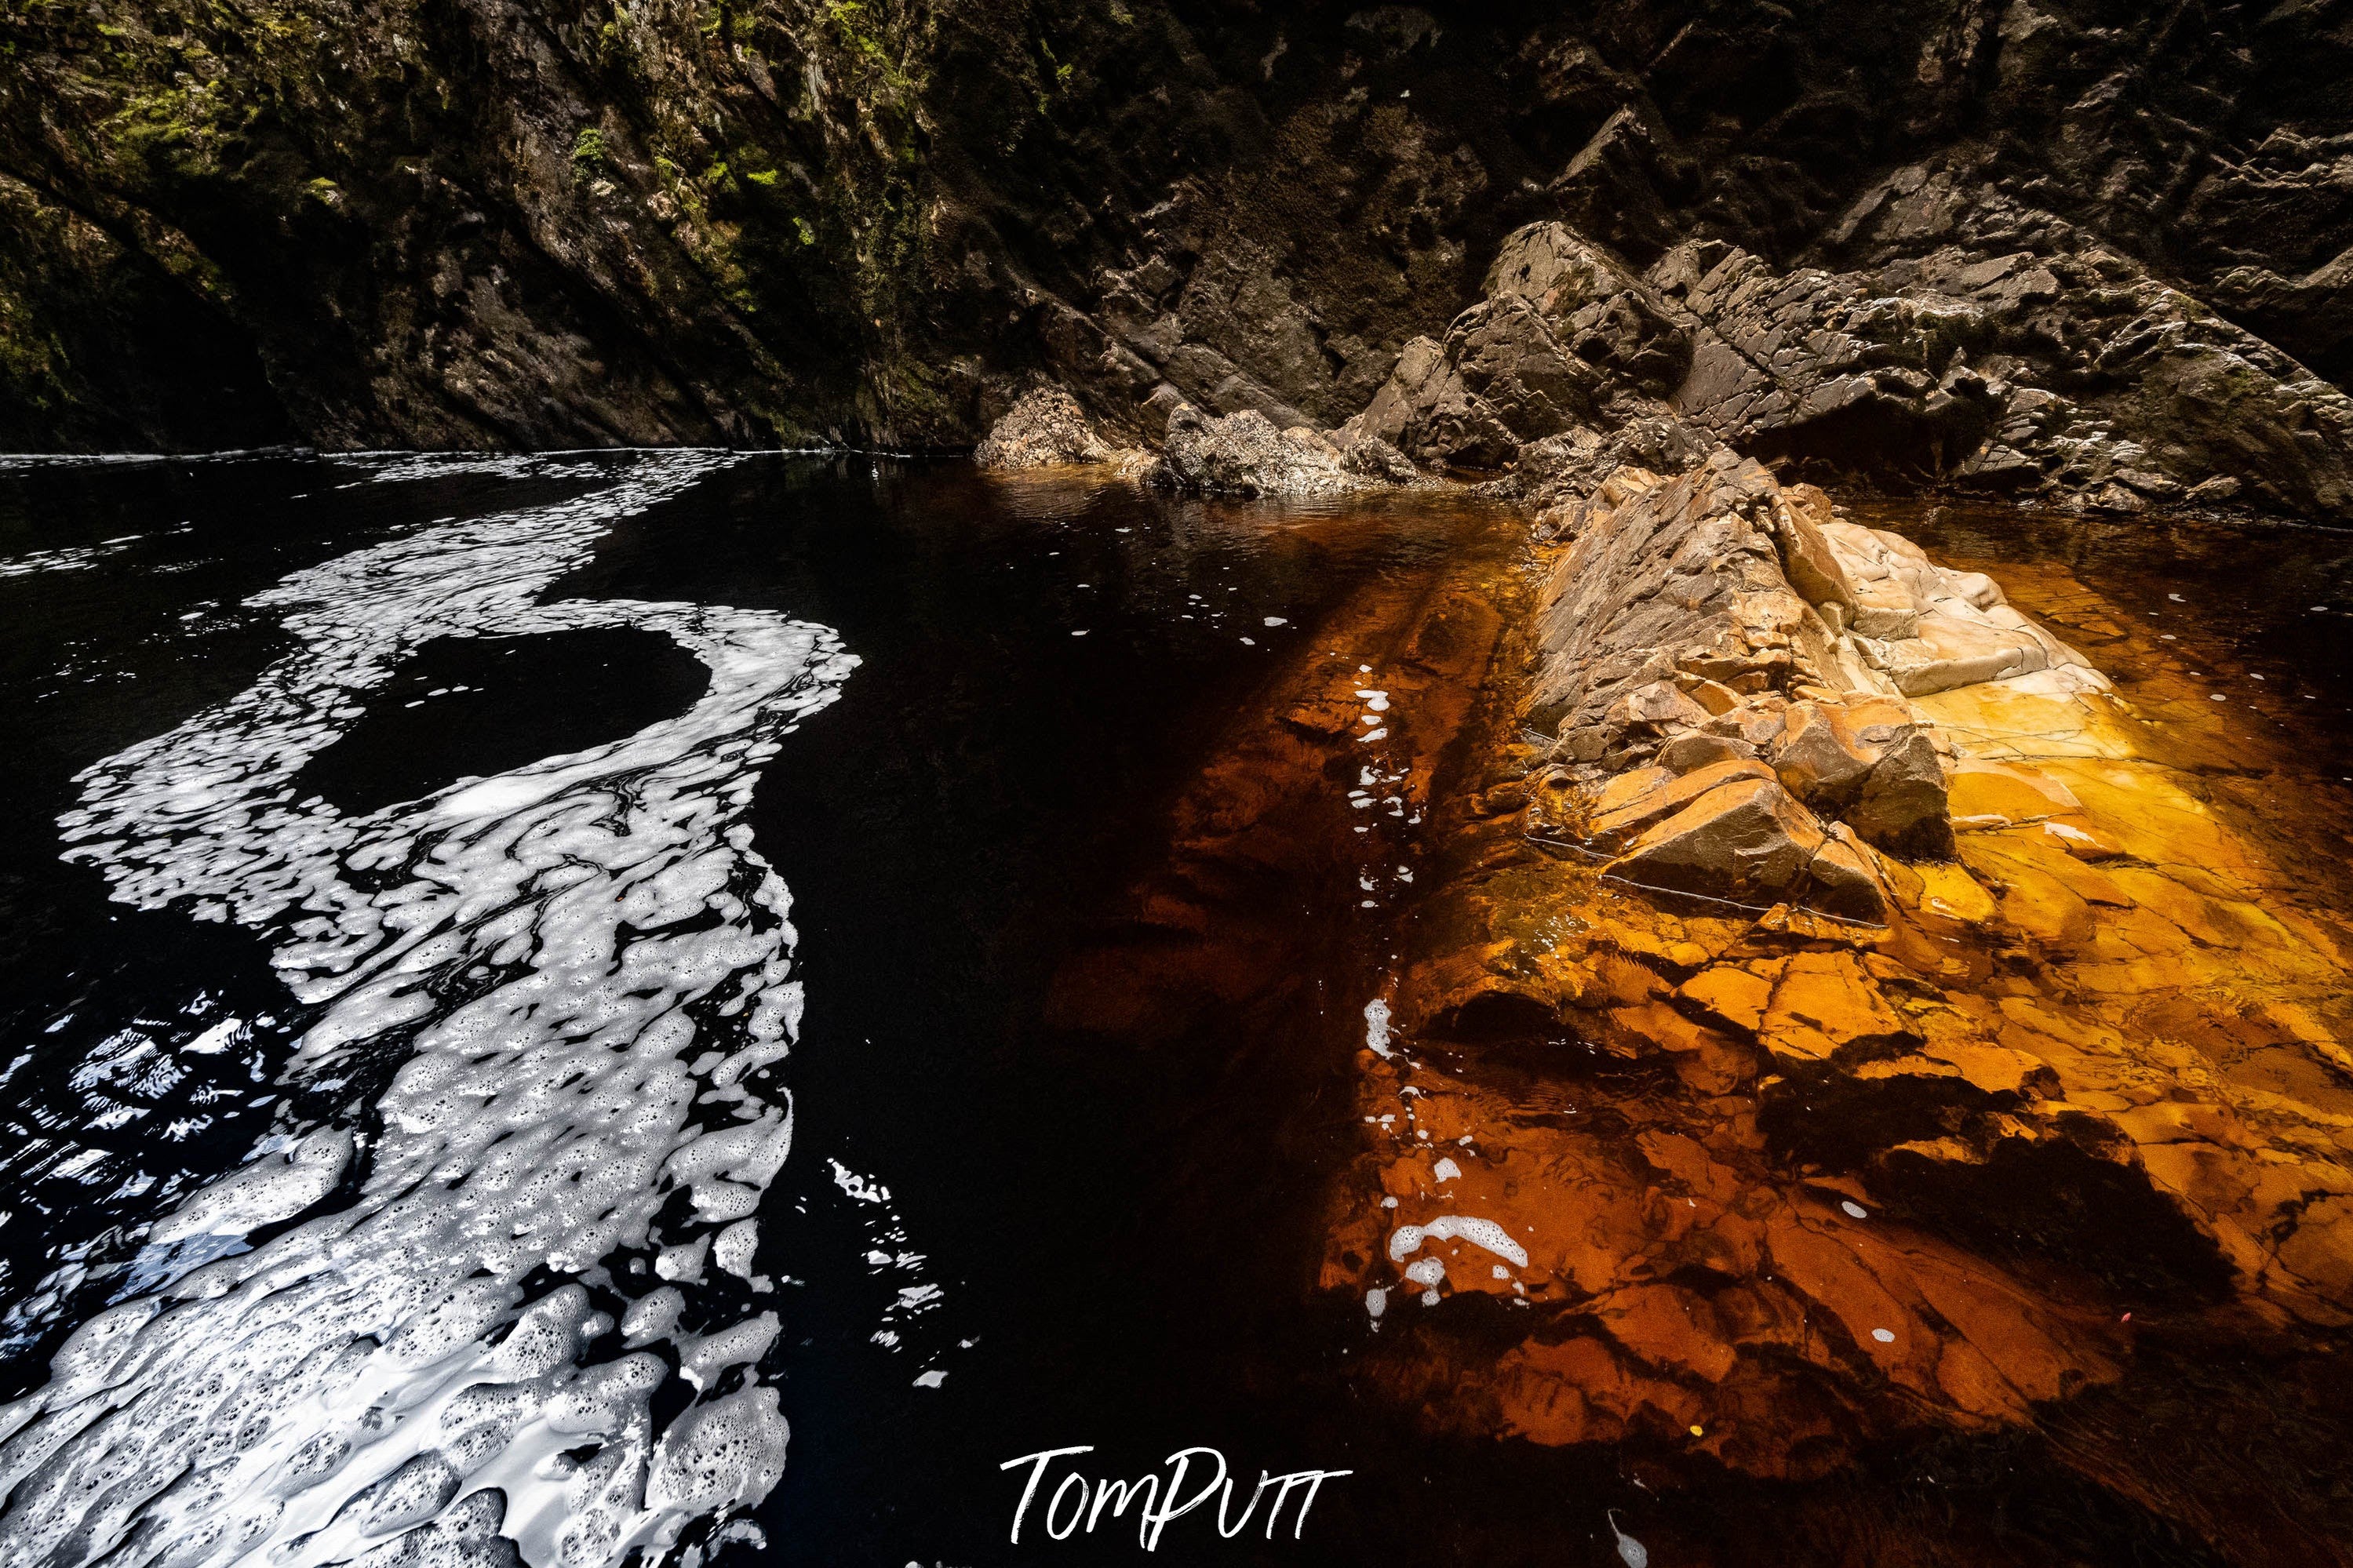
(1924, 629)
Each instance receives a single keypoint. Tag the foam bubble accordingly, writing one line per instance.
(1407, 1239)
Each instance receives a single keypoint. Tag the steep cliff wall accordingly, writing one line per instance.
(493, 222)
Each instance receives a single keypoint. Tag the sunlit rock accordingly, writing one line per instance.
(1045, 427)
(1244, 454)
(1745, 838)
(2047, 1030)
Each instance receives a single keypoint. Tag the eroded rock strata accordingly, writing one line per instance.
(1742, 662)
(1832, 1012)
(2057, 249)
(1573, 366)
(1827, 1012)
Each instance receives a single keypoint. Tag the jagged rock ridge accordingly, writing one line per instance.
(483, 223)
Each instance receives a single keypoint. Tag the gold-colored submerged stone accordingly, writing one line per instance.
(1797, 1182)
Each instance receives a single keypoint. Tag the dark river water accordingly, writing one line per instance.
(584, 878)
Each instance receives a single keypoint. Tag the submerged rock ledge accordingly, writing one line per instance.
(1828, 1011)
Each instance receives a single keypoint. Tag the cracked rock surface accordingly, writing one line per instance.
(1721, 733)
(1763, 1187)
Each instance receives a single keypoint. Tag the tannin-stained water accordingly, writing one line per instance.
(1079, 883)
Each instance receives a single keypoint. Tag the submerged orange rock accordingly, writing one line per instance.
(1766, 1183)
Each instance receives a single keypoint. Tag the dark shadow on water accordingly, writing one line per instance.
(471, 707)
(1124, 1222)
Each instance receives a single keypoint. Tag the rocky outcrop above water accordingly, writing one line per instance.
(1046, 427)
(1240, 454)
(1244, 455)
(2044, 246)
(1991, 344)
(1758, 1186)
(1727, 670)
(1569, 347)
(2018, 356)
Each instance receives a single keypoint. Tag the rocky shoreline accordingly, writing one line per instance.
(1827, 1008)
(1840, 1013)
(1946, 371)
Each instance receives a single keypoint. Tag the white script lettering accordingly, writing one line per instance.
(1159, 1500)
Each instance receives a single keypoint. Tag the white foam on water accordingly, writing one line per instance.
(546, 953)
(1630, 1551)
(1407, 1239)
(67, 558)
(217, 1039)
(393, 467)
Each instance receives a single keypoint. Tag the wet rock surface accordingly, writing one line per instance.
(1930, 1150)
(1723, 732)
(1244, 455)
(2060, 1121)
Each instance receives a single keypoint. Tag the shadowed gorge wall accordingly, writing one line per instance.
(482, 223)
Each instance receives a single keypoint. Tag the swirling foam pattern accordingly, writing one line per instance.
(581, 966)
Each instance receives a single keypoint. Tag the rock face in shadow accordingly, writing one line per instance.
(1561, 363)
(490, 223)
